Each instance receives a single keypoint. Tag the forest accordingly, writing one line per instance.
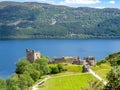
(31, 20)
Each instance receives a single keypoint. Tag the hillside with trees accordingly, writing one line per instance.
(26, 74)
(31, 20)
(112, 59)
(68, 76)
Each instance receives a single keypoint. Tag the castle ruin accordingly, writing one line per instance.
(90, 60)
(32, 55)
(71, 60)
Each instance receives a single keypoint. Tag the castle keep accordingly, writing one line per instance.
(32, 55)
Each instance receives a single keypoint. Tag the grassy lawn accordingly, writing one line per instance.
(73, 68)
(103, 73)
(73, 79)
(65, 73)
(102, 70)
(71, 82)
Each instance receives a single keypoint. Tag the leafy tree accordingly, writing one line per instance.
(26, 74)
(31, 70)
(43, 65)
(60, 67)
(2, 84)
(54, 69)
(35, 75)
(12, 83)
(21, 66)
(25, 81)
(114, 79)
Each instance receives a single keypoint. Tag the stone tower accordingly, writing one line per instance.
(32, 55)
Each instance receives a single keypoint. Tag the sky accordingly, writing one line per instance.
(78, 3)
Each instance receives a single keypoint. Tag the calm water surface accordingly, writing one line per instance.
(13, 50)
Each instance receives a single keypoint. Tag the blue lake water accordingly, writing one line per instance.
(13, 50)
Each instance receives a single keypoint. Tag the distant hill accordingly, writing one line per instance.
(31, 20)
(113, 59)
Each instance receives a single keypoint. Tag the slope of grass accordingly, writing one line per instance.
(70, 67)
(102, 70)
(72, 82)
(103, 73)
(73, 68)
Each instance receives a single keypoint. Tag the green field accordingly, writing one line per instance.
(71, 82)
(103, 73)
(73, 79)
(102, 70)
(73, 68)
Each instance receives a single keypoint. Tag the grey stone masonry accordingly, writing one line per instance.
(32, 55)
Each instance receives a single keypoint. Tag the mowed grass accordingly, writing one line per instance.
(70, 67)
(72, 82)
(73, 68)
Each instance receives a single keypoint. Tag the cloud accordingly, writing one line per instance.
(43, 1)
(100, 7)
(71, 2)
(112, 2)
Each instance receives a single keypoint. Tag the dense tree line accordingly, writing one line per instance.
(37, 20)
(113, 59)
(26, 73)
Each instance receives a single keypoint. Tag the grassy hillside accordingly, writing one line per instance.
(112, 59)
(73, 79)
(72, 82)
(73, 68)
(102, 70)
(36, 20)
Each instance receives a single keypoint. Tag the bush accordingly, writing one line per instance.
(114, 79)
(56, 68)
(2, 84)
(60, 67)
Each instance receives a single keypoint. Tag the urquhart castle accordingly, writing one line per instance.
(32, 55)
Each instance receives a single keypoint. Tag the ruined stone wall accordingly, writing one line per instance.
(71, 60)
(83, 62)
(59, 60)
(92, 62)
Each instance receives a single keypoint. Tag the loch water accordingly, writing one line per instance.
(13, 50)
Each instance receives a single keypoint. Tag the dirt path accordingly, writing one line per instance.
(35, 87)
(97, 76)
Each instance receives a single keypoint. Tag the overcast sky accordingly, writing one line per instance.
(78, 3)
